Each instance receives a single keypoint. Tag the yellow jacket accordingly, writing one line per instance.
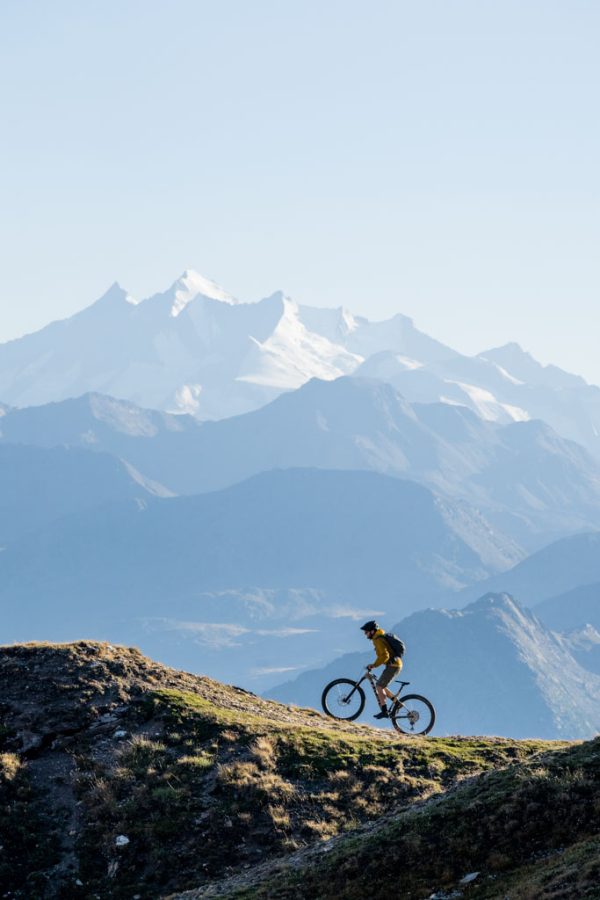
(383, 650)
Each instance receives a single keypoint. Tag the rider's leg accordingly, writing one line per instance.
(381, 699)
(383, 692)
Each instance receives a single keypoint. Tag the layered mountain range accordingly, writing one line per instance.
(234, 485)
(565, 573)
(529, 483)
(194, 348)
(251, 576)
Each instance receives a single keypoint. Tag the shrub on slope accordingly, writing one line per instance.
(531, 830)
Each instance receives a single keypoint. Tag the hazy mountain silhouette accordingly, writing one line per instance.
(39, 485)
(556, 570)
(348, 539)
(584, 646)
(572, 609)
(529, 482)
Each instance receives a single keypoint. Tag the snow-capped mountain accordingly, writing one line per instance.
(194, 348)
(501, 385)
(365, 338)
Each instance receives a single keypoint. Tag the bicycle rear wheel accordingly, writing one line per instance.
(343, 699)
(413, 714)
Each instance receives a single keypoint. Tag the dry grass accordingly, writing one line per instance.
(10, 765)
(208, 777)
(531, 830)
(248, 780)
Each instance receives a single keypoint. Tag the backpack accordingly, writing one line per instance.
(395, 645)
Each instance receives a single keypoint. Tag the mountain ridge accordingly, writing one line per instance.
(526, 480)
(40, 485)
(194, 348)
(564, 565)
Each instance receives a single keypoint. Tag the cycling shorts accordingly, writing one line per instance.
(390, 671)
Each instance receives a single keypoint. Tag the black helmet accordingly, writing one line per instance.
(369, 626)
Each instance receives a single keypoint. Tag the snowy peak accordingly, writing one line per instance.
(522, 366)
(291, 354)
(187, 287)
(191, 285)
(334, 324)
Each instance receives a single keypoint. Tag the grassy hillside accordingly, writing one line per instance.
(529, 831)
(120, 778)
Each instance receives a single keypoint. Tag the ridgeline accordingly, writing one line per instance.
(122, 778)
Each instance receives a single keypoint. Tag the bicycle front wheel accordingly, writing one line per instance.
(343, 699)
(413, 714)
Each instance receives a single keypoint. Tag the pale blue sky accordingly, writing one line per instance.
(439, 159)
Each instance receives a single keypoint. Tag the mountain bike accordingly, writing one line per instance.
(411, 714)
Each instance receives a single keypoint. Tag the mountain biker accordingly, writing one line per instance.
(393, 664)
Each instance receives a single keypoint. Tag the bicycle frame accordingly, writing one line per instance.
(373, 682)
